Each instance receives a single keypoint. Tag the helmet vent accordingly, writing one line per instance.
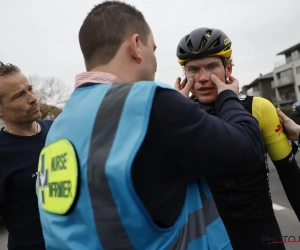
(190, 45)
(203, 42)
(227, 48)
(181, 51)
(208, 33)
(216, 44)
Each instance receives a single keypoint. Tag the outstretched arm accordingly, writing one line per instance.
(204, 144)
(280, 150)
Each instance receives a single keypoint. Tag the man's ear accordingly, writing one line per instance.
(135, 48)
(1, 111)
(228, 70)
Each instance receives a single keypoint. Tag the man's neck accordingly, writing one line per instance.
(206, 103)
(117, 68)
(26, 129)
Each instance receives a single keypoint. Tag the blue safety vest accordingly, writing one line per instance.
(106, 125)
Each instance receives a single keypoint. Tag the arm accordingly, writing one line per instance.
(206, 145)
(292, 130)
(279, 150)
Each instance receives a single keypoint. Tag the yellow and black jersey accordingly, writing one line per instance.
(277, 146)
(244, 197)
(263, 110)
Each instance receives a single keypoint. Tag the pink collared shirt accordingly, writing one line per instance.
(95, 77)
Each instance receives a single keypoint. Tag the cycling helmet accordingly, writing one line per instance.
(203, 42)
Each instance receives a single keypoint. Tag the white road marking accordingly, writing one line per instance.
(277, 207)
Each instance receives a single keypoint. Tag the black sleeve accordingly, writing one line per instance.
(289, 174)
(204, 144)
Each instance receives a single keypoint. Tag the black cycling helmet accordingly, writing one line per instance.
(203, 42)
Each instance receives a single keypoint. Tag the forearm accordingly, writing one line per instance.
(295, 136)
(289, 174)
(207, 145)
(291, 129)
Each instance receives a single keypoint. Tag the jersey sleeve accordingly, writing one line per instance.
(279, 150)
(277, 144)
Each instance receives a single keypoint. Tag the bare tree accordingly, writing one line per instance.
(51, 92)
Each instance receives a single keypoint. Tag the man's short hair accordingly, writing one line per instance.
(106, 27)
(8, 69)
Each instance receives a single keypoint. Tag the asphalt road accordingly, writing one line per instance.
(289, 224)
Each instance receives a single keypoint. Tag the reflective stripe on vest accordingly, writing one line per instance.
(115, 217)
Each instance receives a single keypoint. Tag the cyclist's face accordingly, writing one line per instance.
(201, 69)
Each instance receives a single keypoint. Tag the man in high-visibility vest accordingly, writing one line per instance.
(123, 163)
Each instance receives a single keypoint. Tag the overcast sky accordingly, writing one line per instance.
(41, 36)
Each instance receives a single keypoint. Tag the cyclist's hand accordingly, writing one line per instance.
(184, 87)
(291, 128)
(232, 84)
